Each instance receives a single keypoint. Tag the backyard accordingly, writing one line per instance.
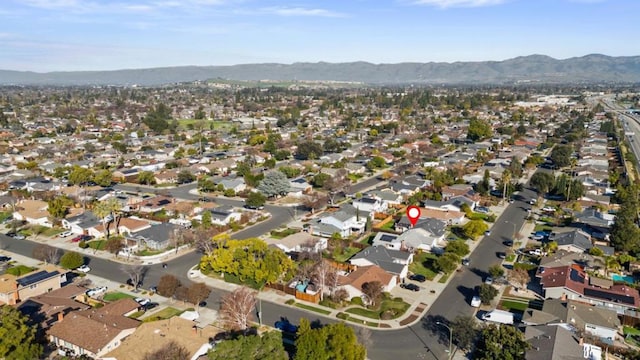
(424, 264)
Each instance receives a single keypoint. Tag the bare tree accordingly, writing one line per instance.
(169, 351)
(168, 285)
(323, 274)
(46, 253)
(314, 201)
(373, 290)
(197, 293)
(135, 273)
(237, 308)
(182, 293)
(203, 240)
(520, 277)
(339, 183)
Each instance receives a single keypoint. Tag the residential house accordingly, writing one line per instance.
(466, 190)
(33, 212)
(555, 343)
(574, 240)
(298, 242)
(51, 307)
(346, 221)
(126, 175)
(14, 289)
(392, 261)
(423, 238)
(353, 281)
(153, 204)
(370, 204)
(156, 237)
(299, 186)
(167, 177)
(387, 240)
(408, 184)
(81, 223)
(572, 282)
(593, 320)
(449, 217)
(125, 225)
(94, 332)
(222, 215)
(452, 204)
(236, 184)
(387, 196)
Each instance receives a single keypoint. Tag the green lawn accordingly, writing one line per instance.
(444, 278)
(137, 314)
(4, 215)
(52, 232)
(367, 239)
(164, 314)
(313, 308)
(279, 234)
(217, 124)
(510, 257)
(628, 330)
(515, 305)
(346, 254)
(389, 225)
(97, 244)
(20, 270)
(114, 296)
(149, 252)
(389, 309)
(542, 227)
(424, 264)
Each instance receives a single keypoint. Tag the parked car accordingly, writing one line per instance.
(412, 287)
(488, 280)
(77, 238)
(142, 301)
(19, 237)
(150, 305)
(417, 277)
(4, 258)
(475, 301)
(65, 234)
(251, 207)
(153, 289)
(532, 201)
(537, 252)
(83, 269)
(501, 255)
(487, 233)
(508, 243)
(466, 262)
(286, 326)
(482, 210)
(97, 291)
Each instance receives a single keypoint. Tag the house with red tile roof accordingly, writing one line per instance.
(572, 282)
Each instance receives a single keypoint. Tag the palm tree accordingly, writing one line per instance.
(115, 210)
(611, 263)
(506, 178)
(102, 210)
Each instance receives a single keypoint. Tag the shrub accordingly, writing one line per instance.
(83, 244)
(290, 302)
(357, 300)
(342, 316)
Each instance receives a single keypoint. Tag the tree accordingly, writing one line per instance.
(269, 346)
(185, 177)
(79, 175)
(501, 342)
(103, 177)
(114, 246)
(542, 182)
(168, 285)
(135, 273)
(146, 178)
(479, 130)
(458, 247)
(373, 290)
(333, 341)
(520, 277)
(506, 181)
(169, 351)
(474, 228)
(339, 183)
(102, 211)
(561, 155)
(157, 119)
(237, 308)
(308, 150)
(201, 239)
(496, 271)
(206, 219)
(275, 183)
(46, 253)
(255, 199)
(465, 331)
(487, 293)
(17, 339)
(58, 207)
(71, 260)
(314, 201)
(447, 262)
(377, 162)
(197, 293)
(322, 275)
(320, 179)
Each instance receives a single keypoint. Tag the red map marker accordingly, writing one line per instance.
(413, 213)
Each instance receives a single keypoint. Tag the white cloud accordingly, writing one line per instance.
(300, 11)
(458, 3)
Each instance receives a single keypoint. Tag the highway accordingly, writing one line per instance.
(629, 122)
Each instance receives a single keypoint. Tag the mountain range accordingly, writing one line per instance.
(594, 68)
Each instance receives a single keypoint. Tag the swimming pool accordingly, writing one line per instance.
(628, 279)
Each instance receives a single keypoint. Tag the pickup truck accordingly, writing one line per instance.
(537, 252)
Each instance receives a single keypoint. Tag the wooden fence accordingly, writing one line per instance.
(315, 298)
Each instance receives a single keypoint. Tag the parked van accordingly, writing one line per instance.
(498, 316)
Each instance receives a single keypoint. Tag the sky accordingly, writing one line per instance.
(73, 35)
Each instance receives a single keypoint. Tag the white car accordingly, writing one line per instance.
(83, 269)
(97, 291)
(475, 301)
(65, 234)
(142, 301)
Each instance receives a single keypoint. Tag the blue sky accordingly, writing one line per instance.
(51, 35)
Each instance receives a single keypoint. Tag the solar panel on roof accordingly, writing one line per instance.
(164, 202)
(387, 238)
(625, 299)
(574, 275)
(34, 278)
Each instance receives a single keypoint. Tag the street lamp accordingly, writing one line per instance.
(450, 337)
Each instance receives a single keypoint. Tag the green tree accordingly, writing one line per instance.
(255, 199)
(79, 175)
(289, 171)
(561, 155)
(487, 293)
(308, 150)
(501, 342)
(496, 270)
(458, 247)
(266, 347)
(103, 177)
(334, 341)
(465, 331)
(447, 262)
(185, 177)
(377, 162)
(206, 219)
(58, 207)
(275, 183)
(474, 228)
(71, 260)
(479, 130)
(158, 118)
(146, 178)
(310, 343)
(542, 182)
(17, 338)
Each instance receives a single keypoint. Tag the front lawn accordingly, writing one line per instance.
(20, 270)
(115, 296)
(279, 234)
(51, 232)
(313, 308)
(345, 254)
(388, 309)
(424, 264)
(164, 314)
(542, 227)
(97, 244)
(149, 252)
(515, 305)
(389, 225)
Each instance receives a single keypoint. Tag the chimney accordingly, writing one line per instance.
(563, 297)
(60, 316)
(195, 329)
(581, 341)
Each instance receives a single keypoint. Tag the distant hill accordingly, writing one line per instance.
(593, 68)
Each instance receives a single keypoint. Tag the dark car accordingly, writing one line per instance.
(202, 304)
(417, 277)
(150, 305)
(508, 242)
(4, 258)
(412, 287)
(501, 255)
(286, 326)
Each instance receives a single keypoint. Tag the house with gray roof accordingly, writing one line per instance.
(346, 221)
(370, 204)
(80, 224)
(222, 215)
(156, 237)
(236, 184)
(595, 219)
(575, 240)
(552, 343)
(392, 261)
(387, 196)
(453, 204)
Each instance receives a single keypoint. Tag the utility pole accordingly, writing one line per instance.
(450, 338)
